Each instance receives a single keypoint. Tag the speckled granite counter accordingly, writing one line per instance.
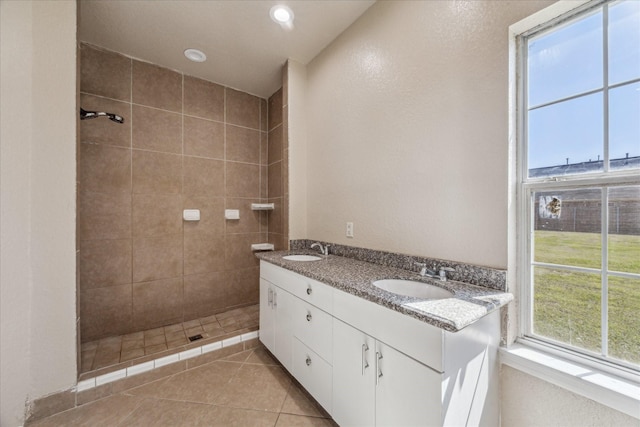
(355, 277)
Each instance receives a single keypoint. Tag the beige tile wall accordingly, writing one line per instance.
(185, 144)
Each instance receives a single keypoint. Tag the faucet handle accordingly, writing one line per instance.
(326, 249)
(443, 272)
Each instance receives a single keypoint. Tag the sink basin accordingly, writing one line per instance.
(411, 288)
(301, 258)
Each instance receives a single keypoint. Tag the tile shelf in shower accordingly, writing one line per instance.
(262, 206)
(262, 247)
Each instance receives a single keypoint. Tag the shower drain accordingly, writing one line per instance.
(195, 338)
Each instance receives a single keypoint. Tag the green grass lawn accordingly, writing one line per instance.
(567, 304)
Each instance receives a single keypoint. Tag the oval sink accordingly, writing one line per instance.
(301, 258)
(411, 288)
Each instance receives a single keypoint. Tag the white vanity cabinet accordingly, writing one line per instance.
(276, 306)
(369, 365)
(296, 326)
(374, 384)
(414, 374)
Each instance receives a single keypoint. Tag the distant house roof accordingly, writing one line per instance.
(584, 167)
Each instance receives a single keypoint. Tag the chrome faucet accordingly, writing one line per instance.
(324, 250)
(441, 274)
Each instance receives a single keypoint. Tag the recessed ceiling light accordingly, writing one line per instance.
(281, 14)
(195, 55)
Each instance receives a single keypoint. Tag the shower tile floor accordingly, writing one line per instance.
(249, 388)
(114, 353)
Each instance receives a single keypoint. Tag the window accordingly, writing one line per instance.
(579, 182)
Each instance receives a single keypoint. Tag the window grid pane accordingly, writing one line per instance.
(584, 249)
(567, 307)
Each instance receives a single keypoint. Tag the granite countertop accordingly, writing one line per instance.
(470, 302)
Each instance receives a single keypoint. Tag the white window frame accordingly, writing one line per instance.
(616, 385)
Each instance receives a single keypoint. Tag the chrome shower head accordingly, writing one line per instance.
(85, 115)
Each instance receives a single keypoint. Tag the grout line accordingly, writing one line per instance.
(131, 172)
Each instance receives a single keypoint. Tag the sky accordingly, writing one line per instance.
(568, 62)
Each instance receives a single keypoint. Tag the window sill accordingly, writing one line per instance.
(605, 388)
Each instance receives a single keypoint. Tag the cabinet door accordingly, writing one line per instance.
(353, 376)
(267, 315)
(407, 392)
(283, 303)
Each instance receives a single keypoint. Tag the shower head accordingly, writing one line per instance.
(85, 115)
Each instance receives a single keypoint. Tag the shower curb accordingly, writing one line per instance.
(102, 386)
(163, 361)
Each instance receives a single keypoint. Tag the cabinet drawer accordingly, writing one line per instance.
(313, 373)
(314, 328)
(309, 290)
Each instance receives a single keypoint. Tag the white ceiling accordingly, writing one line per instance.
(245, 49)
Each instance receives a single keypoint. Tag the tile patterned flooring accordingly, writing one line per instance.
(113, 353)
(249, 388)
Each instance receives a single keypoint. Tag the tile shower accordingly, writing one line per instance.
(186, 143)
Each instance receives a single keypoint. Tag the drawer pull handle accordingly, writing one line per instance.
(308, 361)
(365, 364)
(308, 317)
(379, 374)
(309, 290)
(270, 297)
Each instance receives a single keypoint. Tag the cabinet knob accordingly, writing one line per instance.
(308, 361)
(308, 317)
(309, 290)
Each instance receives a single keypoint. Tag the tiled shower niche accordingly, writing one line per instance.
(185, 143)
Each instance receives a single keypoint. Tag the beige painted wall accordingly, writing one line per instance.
(407, 125)
(38, 173)
(531, 402)
(297, 133)
(407, 136)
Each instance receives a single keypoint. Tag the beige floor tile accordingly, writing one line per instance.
(298, 402)
(86, 363)
(153, 332)
(177, 343)
(203, 384)
(238, 357)
(131, 354)
(191, 324)
(91, 345)
(173, 328)
(194, 331)
(177, 335)
(105, 359)
(173, 413)
(288, 420)
(135, 336)
(155, 349)
(213, 329)
(229, 324)
(132, 344)
(105, 412)
(207, 320)
(256, 387)
(261, 356)
(154, 340)
(228, 314)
